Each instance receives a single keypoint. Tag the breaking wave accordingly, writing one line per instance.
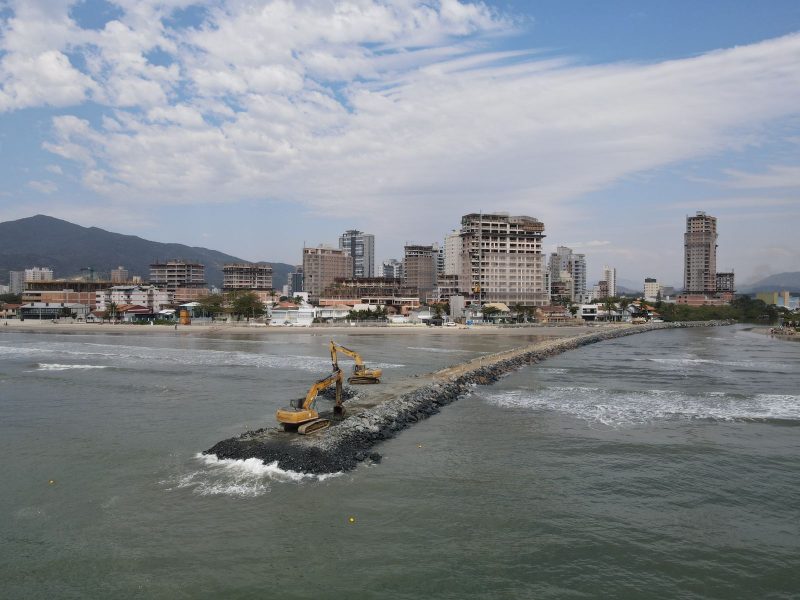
(238, 478)
(62, 367)
(629, 408)
(122, 355)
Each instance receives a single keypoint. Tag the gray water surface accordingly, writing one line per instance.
(661, 465)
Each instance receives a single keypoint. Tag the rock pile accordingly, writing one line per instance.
(342, 447)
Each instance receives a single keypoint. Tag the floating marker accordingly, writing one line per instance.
(52, 482)
(351, 520)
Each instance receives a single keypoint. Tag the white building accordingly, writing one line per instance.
(452, 253)
(150, 296)
(652, 289)
(38, 274)
(564, 260)
(16, 282)
(610, 277)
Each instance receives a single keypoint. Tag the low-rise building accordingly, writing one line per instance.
(53, 310)
(150, 296)
(375, 291)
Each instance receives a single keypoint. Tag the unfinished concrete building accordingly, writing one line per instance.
(502, 259)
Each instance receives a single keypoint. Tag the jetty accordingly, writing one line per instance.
(378, 413)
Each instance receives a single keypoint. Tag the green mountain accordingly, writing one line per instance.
(774, 283)
(43, 241)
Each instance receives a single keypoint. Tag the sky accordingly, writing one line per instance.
(255, 127)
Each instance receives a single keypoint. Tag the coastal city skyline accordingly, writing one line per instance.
(187, 125)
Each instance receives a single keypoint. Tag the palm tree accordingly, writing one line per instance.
(112, 310)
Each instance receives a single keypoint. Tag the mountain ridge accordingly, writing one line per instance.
(46, 241)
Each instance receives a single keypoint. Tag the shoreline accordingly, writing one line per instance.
(260, 330)
(379, 414)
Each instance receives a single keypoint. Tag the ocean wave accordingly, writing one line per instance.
(444, 350)
(742, 364)
(63, 367)
(120, 355)
(238, 478)
(615, 408)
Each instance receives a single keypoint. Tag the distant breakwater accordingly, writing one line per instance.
(343, 446)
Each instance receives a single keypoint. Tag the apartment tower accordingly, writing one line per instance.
(502, 259)
(247, 276)
(361, 246)
(322, 266)
(700, 254)
(420, 268)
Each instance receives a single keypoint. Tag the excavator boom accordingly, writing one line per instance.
(361, 374)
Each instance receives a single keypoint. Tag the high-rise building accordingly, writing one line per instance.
(295, 280)
(16, 282)
(564, 260)
(247, 276)
(393, 268)
(119, 275)
(361, 246)
(439, 258)
(502, 259)
(38, 274)
(420, 268)
(700, 254)
(610, 277)
(452, 253)
(322, 266)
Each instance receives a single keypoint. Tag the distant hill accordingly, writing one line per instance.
(774, 283)
(67, 248)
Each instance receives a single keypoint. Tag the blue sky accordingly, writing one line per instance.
(253, 127)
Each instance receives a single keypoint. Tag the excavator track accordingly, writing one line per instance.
(313, 426)
(358, 380)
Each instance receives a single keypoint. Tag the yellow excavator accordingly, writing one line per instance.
(361, 374)
(301, 416)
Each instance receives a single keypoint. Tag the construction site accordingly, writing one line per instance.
(308, 438)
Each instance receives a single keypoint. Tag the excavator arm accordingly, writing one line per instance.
(361, 374)
(302, 417)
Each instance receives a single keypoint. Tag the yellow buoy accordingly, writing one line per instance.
(351, 520)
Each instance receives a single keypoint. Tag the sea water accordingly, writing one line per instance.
(659, 465)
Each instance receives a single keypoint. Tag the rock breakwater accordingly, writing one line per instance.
(343, 446)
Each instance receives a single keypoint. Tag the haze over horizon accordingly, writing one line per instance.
(252, 127)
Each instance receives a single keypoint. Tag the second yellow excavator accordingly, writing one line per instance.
(301, 415)
(361, 374)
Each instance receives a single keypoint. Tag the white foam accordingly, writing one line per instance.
(241, 478)
(443, 350)
(629, 408)
(63, 367)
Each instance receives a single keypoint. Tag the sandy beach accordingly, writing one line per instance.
(262, 330)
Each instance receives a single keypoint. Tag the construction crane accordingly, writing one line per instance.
(301, 415)
(361, 374)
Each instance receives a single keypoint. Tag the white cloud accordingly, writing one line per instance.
(44, 187)
(777, 176)
(341, 106)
